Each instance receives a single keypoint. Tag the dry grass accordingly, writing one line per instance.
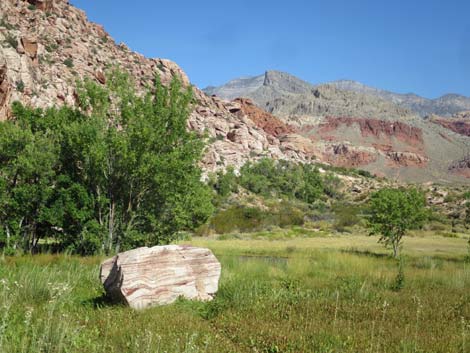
(417, 246)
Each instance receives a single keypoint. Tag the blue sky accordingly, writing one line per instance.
(402, 45)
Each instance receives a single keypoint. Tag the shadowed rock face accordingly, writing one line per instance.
(344, 155)
(5, 91)
(44, 5)
(147, 277)
(459, 125)
(461, 167)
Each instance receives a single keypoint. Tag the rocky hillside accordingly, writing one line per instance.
(283, 94)
(255, 87)
(446, 105)
(349, 128)
(458, 123)
(46, 45)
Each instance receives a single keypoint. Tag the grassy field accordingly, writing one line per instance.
(303, 294)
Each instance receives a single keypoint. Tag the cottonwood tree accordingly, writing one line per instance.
(393, 212)
(119, 171)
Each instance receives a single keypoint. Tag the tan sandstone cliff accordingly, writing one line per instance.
(47, 45)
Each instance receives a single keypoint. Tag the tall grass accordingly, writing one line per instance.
(327, 301)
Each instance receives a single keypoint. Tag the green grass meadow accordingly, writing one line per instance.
(300, 294)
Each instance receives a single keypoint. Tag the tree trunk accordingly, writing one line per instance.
(8, 237)
(395, 250)
(112, 210)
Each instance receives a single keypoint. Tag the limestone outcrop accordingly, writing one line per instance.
(147, 277)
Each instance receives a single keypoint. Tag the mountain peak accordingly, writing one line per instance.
(273, 76)
(285, 82)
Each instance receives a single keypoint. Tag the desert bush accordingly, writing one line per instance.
(20, 86)
(247, 219)
(435, 226)
(4, 23)
(290, 215)
(239, 218)
(448, 234)
(68, 62)
(12, 41)
(346, 215)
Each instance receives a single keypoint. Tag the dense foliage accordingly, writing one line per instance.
(117, 172)
(288, 194)
(395, 211)
(268, 177)
(300, 181)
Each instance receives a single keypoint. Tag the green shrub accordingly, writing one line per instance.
(346, 215)
(269, 178)
(436, 226)
(239, 218)
(365, 173)
(20, 86)
(68, 62)
(226, 182)
(12, 41)
(51, 47)
(289, 215)
(6, 24)
(448, 234)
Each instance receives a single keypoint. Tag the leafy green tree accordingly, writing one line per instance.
(312, 186)
(226, 182)
(268, 177)
(144, 166)
(119, 171)
(258, 176)
(395, 211)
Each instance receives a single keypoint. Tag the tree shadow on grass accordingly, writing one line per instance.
(367, 253)
(102, 301)
(411, 259)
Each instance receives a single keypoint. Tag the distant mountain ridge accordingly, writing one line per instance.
(47, 45)
(446, 105)
(284, 95)
(349, 124)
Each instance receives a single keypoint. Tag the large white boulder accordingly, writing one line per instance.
(147, 277)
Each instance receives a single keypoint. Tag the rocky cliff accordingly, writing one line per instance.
(356, 126)
(446, 105)
(458, 123)
(47, 45)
